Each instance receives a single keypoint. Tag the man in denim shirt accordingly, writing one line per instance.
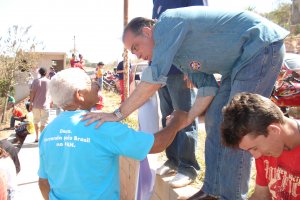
(245, 48)
(176, 95)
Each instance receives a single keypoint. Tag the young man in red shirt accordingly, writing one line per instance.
(17, 114)
(255, 124)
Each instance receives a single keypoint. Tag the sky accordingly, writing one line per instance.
(96, 24)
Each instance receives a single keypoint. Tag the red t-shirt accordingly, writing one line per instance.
(281, 175)
(17, 112)
(72, 62)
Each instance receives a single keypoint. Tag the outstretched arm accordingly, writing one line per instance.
(140, 95)
(198, 109)
(165, 137)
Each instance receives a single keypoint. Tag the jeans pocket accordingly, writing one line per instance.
(277, 49)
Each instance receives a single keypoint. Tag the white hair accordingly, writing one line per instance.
(65, 83)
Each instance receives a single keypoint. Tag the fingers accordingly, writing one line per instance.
(90, 115)
(99, 123)
(100, 118)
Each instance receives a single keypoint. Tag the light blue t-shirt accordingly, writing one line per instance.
(82, 162)
(203, 39)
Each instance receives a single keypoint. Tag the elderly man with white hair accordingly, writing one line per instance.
(79, 161)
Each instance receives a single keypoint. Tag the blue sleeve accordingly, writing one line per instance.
(147, 77)
(127, 142)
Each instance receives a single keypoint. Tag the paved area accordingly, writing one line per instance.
(28, 188)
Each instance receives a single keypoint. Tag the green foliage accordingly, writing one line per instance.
(17, 57)
(251, 8)
(281, 15)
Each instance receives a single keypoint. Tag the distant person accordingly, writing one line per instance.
(24, 128)
(89, 158)
(120, 72)
(73, 60)
(40, 102)
(255, 124)
(81, 63)
(17, 115)
(81, 60)
(10, 99)
(8, 169)
(51, 73)
(99, 74)
(11, 149)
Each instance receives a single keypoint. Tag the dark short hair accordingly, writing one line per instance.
(136, 25)
(245, 114)
(27, 106)
(100, 63)
(42, 71)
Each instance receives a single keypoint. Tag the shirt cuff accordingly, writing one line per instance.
(147, 77)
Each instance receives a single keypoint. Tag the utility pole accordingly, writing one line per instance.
(74, 48)
(125, 55)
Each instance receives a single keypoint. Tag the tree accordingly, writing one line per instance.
(295, 17)
(281, 15)
(17, 58)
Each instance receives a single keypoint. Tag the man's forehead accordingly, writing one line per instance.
(128, 38)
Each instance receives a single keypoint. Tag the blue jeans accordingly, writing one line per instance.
(181, 153)
(100, 83)
(14, 119)
(228, 170)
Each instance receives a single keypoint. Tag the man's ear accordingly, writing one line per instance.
(147, 31)
(79, 98)
(273, 129)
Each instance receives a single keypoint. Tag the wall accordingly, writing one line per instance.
(45, 60)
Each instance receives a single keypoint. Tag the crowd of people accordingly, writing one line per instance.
(31, 121)
(180, 43)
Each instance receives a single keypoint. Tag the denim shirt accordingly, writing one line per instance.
(203, 39)
(159, 6)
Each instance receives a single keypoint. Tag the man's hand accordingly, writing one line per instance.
(189, 83)
(178, 118)
(100, 117)
(164, 137)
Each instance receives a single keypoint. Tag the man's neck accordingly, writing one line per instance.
(292, 133)
(75, 107)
